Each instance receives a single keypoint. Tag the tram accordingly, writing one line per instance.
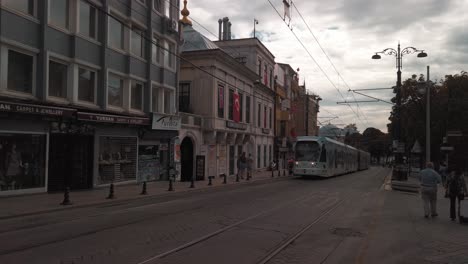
(325, 157)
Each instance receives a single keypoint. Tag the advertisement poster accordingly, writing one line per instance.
(200, 168)
(222, 159)
(148, 163)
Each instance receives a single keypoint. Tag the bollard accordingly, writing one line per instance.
(111, 192)
(66, 197)
(279, 173)
(192, 183)
(237, 177)
(209, 181)
(171, 187)
(143, 191)
(225, 178)
(248, 176)
(284, 172)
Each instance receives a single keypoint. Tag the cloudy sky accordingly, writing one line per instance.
(350, 32)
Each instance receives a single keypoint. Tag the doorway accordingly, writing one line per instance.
(70, 162)
(186, 159)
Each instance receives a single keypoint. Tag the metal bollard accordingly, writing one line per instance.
(225, 178)
(237, 177)
(171, 187)
(143, 190)
(111, 192)
(284, 172)
(66, 197)
(192, 183)
(209, 180)
(279, 173)
(248, 176)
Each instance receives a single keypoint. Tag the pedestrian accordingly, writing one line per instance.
(429, 179)
(249, 166)
(443, 172)
(241, 165)
(455, 189)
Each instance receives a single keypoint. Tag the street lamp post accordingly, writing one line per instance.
(399, 172)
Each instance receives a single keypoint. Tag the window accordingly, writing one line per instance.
(155, 99)
(88, 20)
(136, 95)
(167, 8)
(265, 75)
(86, 85)
(155, 50)
(138, 42)
(231, 104)
(184, 97)
(265, 117)
(259, 68)
(247, 109)
(143, 2)
(265, 156)
(241, 101)
(271, 118)
(270, 153)
(20, 72)
(24, 6)
(220, 101)
(116, 34)
(157, 5)
(57, 79)
(168, 53)
(168, 102)
(115, 90)
(58, 13)
(271, 78)
(259, 110)
(259, 150)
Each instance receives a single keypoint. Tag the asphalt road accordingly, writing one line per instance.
(287, 221)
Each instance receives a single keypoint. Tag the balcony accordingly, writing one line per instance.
(191, 119)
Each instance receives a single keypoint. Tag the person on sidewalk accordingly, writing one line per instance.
(443, 172)
(455, 189)
(241, 165)
(249, 166)
(429, 179)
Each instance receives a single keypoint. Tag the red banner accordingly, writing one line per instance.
(236, 108)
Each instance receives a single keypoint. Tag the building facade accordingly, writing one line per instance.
(79, 83)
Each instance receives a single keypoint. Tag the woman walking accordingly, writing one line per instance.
(456, 189)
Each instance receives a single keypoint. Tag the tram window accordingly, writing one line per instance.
(307, 151)
(323, 155)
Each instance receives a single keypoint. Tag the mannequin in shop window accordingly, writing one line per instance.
(14, 167)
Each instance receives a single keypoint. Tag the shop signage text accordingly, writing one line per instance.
(166, 122)
(235, 125)
(265, 130)
(35, 109)
(113, 119)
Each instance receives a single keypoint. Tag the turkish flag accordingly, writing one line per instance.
(236, 108)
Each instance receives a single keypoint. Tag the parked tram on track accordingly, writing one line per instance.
(325, 157)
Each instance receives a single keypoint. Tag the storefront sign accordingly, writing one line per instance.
(265, 130)
(112, 119)
(200, 168)
(35, 109)
(234, 125)
(165, 122)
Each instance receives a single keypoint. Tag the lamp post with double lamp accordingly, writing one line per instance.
(399, 172)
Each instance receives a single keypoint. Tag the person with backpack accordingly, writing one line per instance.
(455, 189)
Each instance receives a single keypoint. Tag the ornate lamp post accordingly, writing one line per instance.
(399, 172)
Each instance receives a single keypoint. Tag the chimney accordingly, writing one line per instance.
(220, 21)
(225, 30)
(229, 30)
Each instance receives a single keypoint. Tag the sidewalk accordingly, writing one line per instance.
(40, 203)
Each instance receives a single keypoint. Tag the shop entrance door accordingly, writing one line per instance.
(70, 162)
(186, 159)
(232, 160)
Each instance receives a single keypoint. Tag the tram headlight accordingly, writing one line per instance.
(313, 164)
(297, 163)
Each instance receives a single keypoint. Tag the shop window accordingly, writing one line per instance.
(20, 72)
(57, 79)
(137, 95)
(259, 149)
(149, 166)
(24, 6)
(115, 90)
(117, 159)
(88, 16)
(58, 13)
(247, 109)
(22, 159)
(86, 85)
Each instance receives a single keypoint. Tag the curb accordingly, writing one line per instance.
(405, 186)
(147, 197)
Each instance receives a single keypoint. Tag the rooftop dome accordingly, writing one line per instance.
(194, 40)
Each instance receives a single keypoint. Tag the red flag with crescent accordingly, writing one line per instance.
(236, 108)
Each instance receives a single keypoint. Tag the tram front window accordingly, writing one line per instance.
(307, 151)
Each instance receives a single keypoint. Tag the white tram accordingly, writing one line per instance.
(325, 157)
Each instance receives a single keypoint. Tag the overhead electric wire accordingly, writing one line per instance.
(168, 50)
(313, 59)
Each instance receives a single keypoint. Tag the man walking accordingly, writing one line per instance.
(249, 166)
(429, 179)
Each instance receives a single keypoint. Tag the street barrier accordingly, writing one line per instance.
(66, 197)
(171, 187)
(143, 191)
(111, 192)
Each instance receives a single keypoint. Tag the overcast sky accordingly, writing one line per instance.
(350, 32)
